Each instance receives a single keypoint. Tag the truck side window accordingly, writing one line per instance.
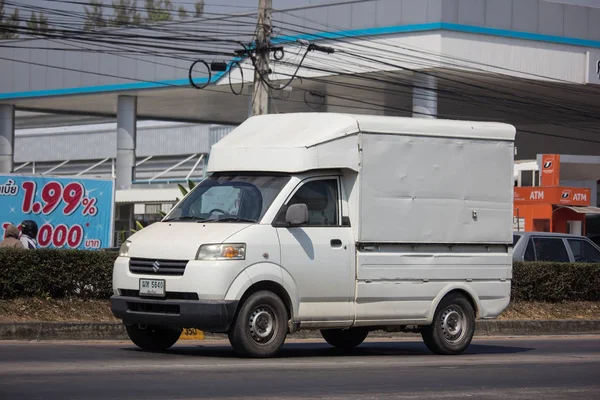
(321, 199)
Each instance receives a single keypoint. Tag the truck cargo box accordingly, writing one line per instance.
(411, 180)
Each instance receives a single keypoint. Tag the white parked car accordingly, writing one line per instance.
(339, 223)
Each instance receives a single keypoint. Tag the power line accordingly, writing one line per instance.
(388, 46)
(504, 99)
(359, 104)
(384, 79)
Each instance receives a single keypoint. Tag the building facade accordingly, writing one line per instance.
(532, 63)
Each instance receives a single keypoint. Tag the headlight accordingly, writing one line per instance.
(222, 252)
(124, 251)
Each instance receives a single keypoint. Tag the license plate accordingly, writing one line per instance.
(152, 287)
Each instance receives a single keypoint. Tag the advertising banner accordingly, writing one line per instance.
(71, 213)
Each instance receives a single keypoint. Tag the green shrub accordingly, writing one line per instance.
(88, 274)
(56, 273)
(555, 282)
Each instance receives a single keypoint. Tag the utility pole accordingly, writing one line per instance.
(260, 95)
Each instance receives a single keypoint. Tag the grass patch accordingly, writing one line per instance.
(35, 309)
(78, 310)
(534, 310)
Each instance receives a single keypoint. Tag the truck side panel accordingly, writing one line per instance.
(419, 189)
(404, 283)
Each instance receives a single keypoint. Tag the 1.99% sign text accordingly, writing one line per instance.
(53, 194)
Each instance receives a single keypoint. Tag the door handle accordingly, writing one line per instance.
(336, 243)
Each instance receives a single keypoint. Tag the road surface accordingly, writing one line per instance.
(497, 368)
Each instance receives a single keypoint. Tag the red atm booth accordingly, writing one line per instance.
(551, 207)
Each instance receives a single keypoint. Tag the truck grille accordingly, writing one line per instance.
(149, 266)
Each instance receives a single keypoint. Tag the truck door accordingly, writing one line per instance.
(320, 254)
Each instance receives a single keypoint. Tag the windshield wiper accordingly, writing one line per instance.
(186, 218)
(235, 219)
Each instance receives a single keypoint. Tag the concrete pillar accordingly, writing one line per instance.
(126, 132)
(7, 137)
(425, 99)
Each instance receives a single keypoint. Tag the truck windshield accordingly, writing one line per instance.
(229, 198)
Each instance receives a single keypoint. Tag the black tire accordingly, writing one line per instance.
(345, 338)
(452, 328)
(260, 327)
(153, 337)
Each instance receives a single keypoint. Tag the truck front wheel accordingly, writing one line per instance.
(452, 328)
(153, 338)
(345, 338)
(260, 327)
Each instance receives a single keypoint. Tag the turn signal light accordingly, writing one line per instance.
(222, 252)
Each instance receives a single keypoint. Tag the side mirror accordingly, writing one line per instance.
(296, 214)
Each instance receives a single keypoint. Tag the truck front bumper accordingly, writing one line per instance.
(208, 316)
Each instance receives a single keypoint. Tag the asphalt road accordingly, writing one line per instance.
(518, 368)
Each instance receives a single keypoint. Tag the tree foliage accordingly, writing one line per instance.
(159, 11)
(8, 23)
(127, 13)
(94, 16)
(38, 22)
(183, 14)
(199, 9)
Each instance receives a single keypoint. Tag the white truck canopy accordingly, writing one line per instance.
(300, 142)
(412, 180)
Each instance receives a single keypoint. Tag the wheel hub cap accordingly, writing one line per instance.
(261, 324)
(453, 323)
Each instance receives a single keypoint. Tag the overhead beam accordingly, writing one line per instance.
(194, 167)
(22, 166)
(172, 168)
(143, 161)
(55, 167)
(85, 171)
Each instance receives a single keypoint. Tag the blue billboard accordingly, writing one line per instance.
(71, 213)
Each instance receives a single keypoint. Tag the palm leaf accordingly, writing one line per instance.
(182, 189)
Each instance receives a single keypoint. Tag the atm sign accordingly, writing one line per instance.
(552, 195)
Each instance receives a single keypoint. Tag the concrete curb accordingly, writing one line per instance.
(116, 331)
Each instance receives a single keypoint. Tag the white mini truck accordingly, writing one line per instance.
(341, 223)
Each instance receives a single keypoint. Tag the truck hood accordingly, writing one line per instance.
(179, 240)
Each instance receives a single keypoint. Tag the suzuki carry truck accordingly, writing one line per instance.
(340, 223)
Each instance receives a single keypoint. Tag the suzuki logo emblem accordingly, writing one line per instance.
(156, 266)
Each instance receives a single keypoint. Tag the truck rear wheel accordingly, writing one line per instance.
(345, 338)
(153, 338)
(452, 328)
(260, 326)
